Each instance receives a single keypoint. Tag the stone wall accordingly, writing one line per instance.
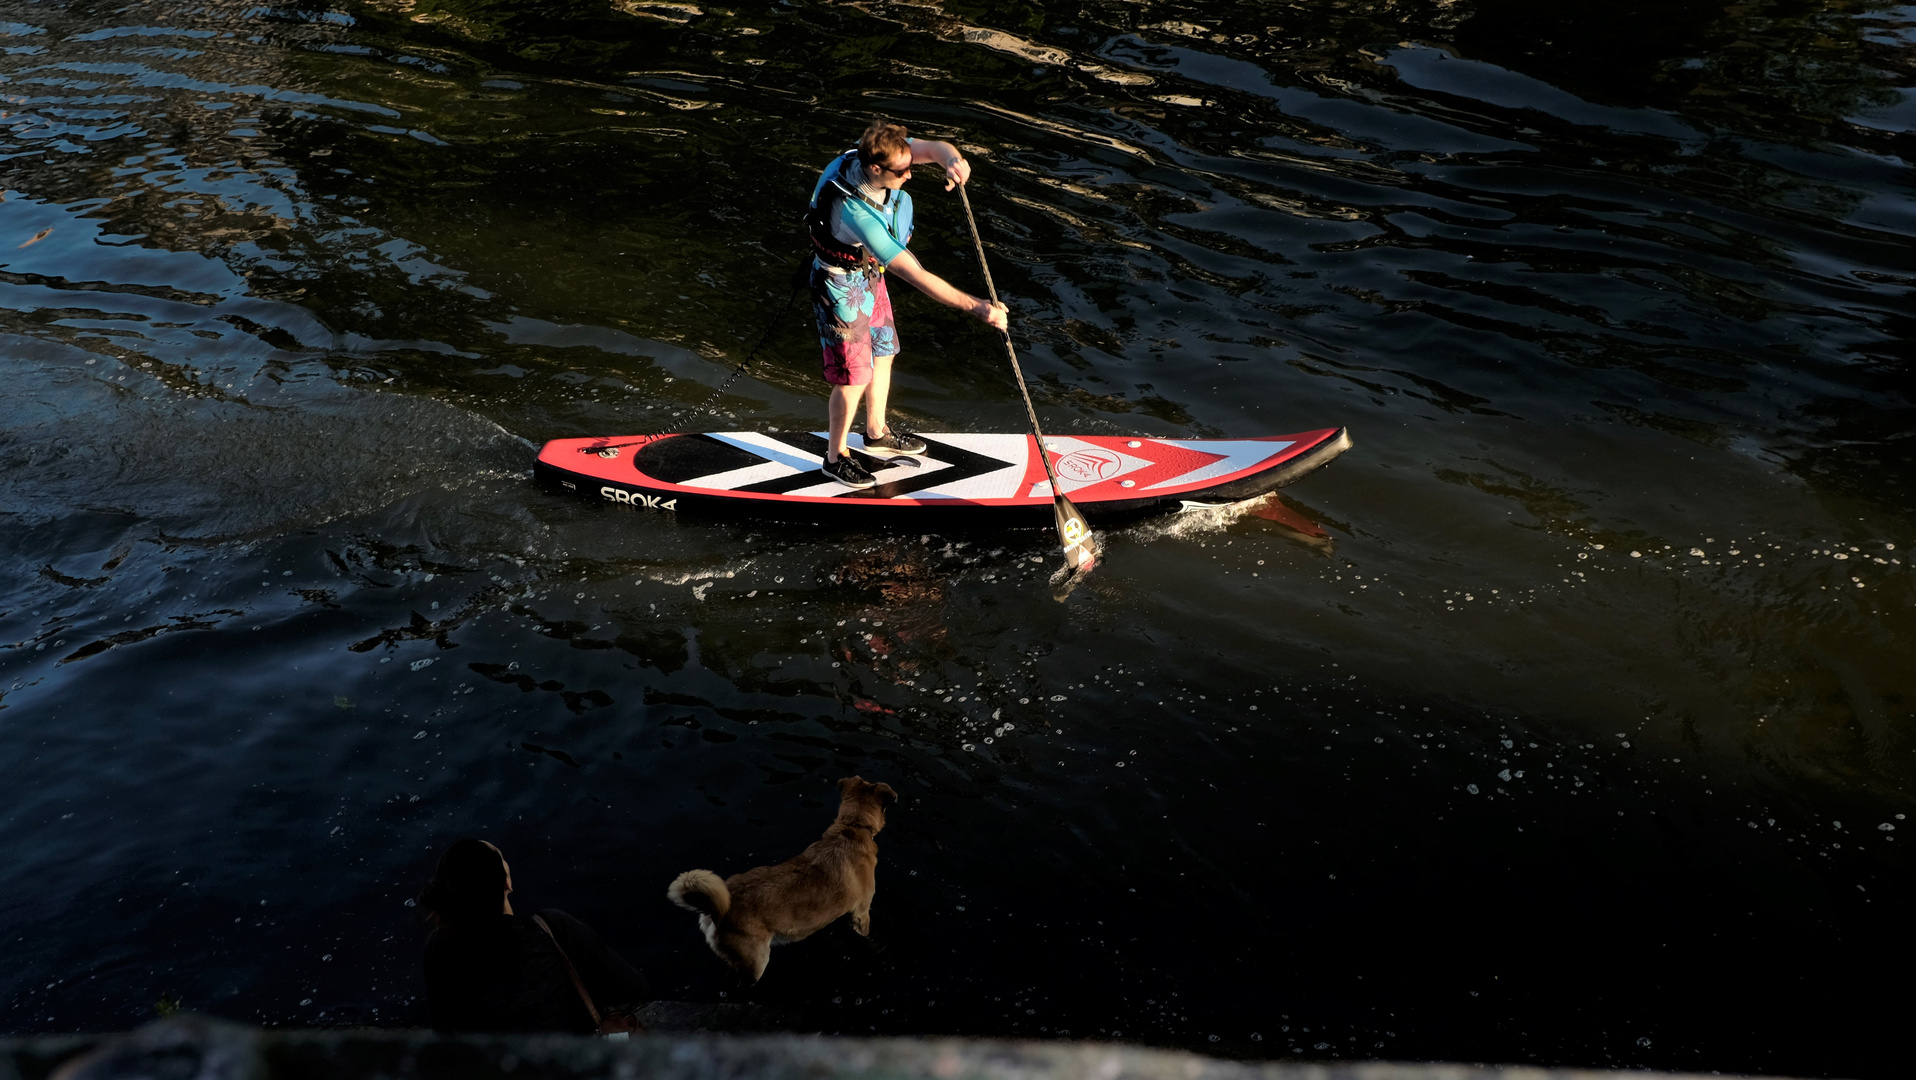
(197, 1048)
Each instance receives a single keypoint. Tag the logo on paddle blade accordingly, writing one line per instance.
(1074, 531)
(1089, 466)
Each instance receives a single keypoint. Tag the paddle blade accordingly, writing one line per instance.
(1074, 533)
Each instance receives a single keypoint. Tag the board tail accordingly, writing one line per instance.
(701, 891)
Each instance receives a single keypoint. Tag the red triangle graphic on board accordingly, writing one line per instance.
(1165, 461)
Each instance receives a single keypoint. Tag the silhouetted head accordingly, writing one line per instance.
(884, 154)
(472, 882)
(861, 802)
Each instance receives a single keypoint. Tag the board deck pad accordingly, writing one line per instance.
(773, 472)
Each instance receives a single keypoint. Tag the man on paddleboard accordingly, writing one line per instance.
(860, 222)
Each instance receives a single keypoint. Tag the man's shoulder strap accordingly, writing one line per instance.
(844, 190)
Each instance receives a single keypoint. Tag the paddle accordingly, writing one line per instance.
(1080, 546)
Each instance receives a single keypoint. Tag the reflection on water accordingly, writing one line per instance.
(1571, 699)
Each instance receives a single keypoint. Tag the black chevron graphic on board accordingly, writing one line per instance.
(810, 444)
(964, 464)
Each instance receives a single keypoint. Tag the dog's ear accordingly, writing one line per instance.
(847, 785)
(886, 796)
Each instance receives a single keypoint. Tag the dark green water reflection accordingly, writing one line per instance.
(1585, 738)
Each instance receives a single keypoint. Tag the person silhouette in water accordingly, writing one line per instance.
(489, 968)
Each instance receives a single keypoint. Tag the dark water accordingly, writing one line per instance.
(1583, 734)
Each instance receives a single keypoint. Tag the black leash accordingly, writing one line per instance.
(800, 278)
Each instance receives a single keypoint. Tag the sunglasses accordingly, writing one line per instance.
(906, 171)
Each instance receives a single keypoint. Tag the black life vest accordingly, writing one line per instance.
(818, 221)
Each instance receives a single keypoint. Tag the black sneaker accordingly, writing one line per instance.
(848, 472)
(897, 442)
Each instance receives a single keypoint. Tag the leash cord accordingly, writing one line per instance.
(798, 286)
(744, 365)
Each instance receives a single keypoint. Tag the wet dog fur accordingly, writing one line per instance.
(746, 914)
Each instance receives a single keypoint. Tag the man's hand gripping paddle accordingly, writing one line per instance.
(1080, 546)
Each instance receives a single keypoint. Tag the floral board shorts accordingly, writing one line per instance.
(854, 324)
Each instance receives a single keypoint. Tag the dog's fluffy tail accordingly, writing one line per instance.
(701, 891)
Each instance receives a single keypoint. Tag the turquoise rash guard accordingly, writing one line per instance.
(883, 231)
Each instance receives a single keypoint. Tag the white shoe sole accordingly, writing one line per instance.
(883, 452)
(848, 483)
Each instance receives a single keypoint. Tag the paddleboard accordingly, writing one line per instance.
(964, 478)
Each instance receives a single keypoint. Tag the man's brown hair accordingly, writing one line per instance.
(881, 142)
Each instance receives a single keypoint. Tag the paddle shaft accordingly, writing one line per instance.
(1010, 350)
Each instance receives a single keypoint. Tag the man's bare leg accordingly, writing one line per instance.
(881, 392)
(843, 404)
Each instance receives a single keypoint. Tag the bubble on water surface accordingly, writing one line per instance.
(686, 576)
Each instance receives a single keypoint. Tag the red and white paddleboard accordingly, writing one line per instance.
(962, 476)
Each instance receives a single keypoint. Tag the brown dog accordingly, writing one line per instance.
(746, 914)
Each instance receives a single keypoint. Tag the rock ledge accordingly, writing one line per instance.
(199, 1048)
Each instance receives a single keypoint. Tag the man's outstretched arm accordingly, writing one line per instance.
(908, 268)
(945, 156)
